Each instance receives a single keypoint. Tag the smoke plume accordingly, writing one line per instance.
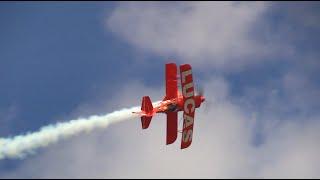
(22, 145)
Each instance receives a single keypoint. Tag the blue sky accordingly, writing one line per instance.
(63, 60)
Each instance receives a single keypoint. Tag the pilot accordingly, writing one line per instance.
(172, 107)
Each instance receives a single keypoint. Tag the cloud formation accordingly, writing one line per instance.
(269, 131)
(222, 147)
(220, 35)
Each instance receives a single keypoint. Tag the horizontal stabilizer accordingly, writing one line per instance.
(145, 121)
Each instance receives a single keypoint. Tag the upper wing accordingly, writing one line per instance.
(188, 106)
(171, 93)
(171, 81)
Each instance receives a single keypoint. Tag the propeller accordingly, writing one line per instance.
(207, 105)
(200, 91)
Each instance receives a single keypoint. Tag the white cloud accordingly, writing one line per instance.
(221, 35)
(215, 35)
(292, 150)
(222, 146)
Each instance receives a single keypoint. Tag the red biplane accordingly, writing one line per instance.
(173, 102)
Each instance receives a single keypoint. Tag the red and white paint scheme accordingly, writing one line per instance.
(173, 102)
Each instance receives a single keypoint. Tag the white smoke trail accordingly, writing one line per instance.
(22, 145)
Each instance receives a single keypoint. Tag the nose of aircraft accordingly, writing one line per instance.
(202, 98)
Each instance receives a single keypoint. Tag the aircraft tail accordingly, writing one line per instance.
(147, 109)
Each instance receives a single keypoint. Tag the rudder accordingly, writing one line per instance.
(147, 108)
